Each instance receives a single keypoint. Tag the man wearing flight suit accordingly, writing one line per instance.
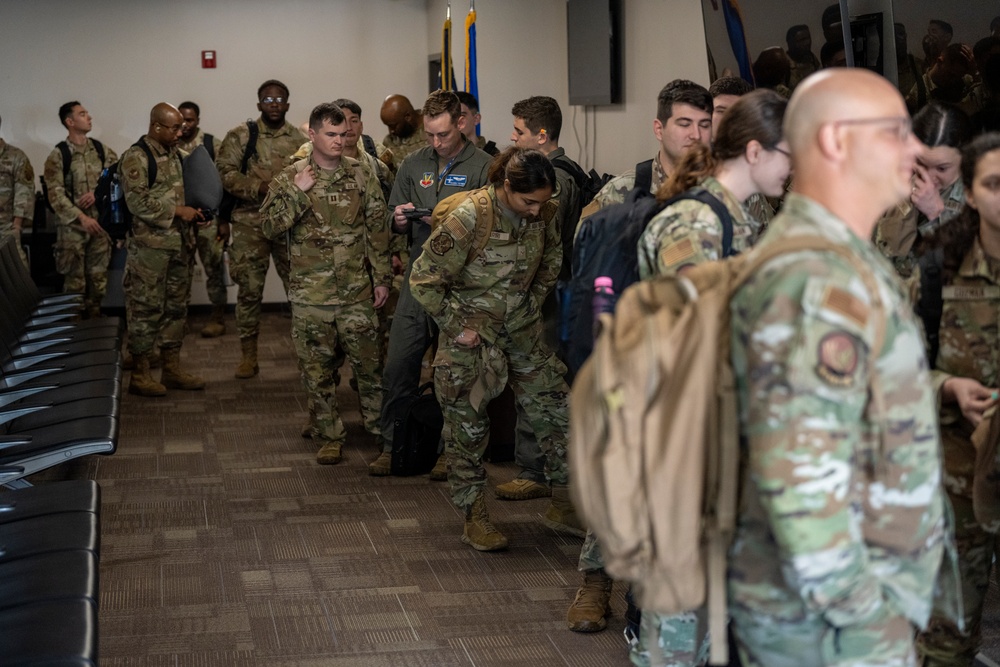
(336, 218)
(251, 251)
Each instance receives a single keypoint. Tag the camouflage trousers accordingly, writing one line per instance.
(157, 288)
(316, 331)
(766, 641)
(249, 257)
(466, 380)
(210, 253)
(671, 640)
(9, 231)
(943, 644)
(83, 262)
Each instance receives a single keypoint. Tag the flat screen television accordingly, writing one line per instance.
(594, 37)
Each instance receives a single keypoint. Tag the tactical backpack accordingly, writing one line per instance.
(485, 216)
(229, 201)
(67, 159)
(654, 433)
(607, 245)
(113, 214)
(416, 437)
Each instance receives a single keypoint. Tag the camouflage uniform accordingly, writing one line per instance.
(969, 347)
(209, 245)
(801, 70)
(250, 248)
(419, 181)
(840, 531)
(17, 192)
(160, 249)
(336, 229)
(499, 296)
(682, 235)
(81, 258)
(401, 148)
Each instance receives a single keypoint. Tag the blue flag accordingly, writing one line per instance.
(471, 78)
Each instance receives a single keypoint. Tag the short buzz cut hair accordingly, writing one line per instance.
(66, 110)
(192, 106)
(681, 91)
(442, 101)
(790, 34)
(944, 25)
(469, 100)
(328, 111)
(729, 85)
(540, 113)
(345, 103)
(272, 82)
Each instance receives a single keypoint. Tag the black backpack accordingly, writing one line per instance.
(229, 201)
(416, 437)
(369, 145)
(67, 158)
(112, 212)
(606, 245)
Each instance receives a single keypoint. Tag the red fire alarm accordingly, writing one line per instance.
(208, 59)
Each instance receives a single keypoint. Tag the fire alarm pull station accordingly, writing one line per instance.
(208, 59)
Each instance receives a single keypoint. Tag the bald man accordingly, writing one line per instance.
(160, 253)
(840, 531)
(406, 127)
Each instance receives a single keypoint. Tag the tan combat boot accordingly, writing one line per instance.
(523, 489)
(440, 471)
(248, 365)
(172, 376)
(590, 607)
(141, 382)
(216, 325)
(561, 515)
(480, 533)
(329, 454)
(382, 466)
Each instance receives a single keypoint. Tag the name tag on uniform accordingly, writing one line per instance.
(536, 225)
(500, 236)
(966, 293)
(456, 181)
(351, 185)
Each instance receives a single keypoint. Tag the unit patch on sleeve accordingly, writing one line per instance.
(837, 359)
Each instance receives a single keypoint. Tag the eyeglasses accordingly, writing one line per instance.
(787, 154)
(903, 124)
(272, 100)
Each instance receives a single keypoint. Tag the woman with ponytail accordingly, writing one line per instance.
(483, 275)
(748, 156)
(967, 376)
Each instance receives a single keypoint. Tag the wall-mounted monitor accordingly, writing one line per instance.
(595, 54)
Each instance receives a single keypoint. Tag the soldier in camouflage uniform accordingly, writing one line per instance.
(840, 531)
(212, 239)
(748, 156)
(448, 166)
(336, 218)
(967, 375)
(160, 253)
(487, 304)
(83, 249)
(406, 129)
(683, 120)
(936, 194)
(17, 193)
(251, 251)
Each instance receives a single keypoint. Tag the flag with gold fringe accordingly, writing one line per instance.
(447, 67)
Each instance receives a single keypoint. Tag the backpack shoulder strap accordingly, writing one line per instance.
(251, 148)
(99, 147)
(369, 144)
(210, 145)
(930, 302)
(644, 175)
(720, 211)
(150, 160)
(491, 148)
(485, 219)
(67, 159)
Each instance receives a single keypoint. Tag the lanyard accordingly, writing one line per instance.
(445, 171)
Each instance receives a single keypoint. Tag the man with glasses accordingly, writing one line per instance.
(250, 156)
(158, 268)
(840, 532)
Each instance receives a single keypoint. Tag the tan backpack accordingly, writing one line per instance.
(654, 434)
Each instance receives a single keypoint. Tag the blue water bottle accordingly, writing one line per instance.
(604, 300)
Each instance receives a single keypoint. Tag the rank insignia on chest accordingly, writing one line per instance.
(455, 181)
(427, 180)
(838, 359)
